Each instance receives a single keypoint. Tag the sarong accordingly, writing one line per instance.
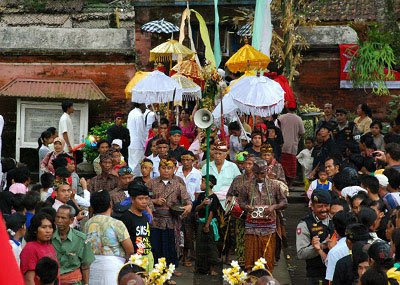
(206, 249)
(104, 270)
(163, 245)
(239, 242)
(289, 164)
(260, 246)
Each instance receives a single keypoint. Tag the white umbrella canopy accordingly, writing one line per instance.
(156, 88)
(190, 90)
(230, 109)
(258, 95)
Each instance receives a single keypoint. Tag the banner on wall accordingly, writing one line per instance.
(346, 53)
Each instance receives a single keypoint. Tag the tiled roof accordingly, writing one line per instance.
(348, 10)
(53, 89)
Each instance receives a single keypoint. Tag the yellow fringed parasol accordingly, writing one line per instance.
(189, 68)
(247, 58)
(164, 51)
(139, 75)
(191, 91)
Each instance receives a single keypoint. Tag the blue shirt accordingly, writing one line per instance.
(28, 216)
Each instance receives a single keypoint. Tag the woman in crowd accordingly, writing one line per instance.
(44, 141)
(38, 245)
(110, 241)
(363, 121)
(187, 126)
(47, 163)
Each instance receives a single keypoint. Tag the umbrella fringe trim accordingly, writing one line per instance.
(261, 111)
(155, 97)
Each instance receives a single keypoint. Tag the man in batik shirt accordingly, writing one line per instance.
(166, 194)
(261, 199)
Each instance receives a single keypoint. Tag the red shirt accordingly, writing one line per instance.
(32, 252)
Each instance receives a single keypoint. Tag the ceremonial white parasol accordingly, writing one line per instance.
(258, 96)
(229, 108)
(156, 87)
(190, 90)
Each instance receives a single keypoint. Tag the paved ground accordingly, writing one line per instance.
(288, 271)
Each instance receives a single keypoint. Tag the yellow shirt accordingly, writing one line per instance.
(363, 125)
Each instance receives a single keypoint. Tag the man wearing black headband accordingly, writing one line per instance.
(136, 222)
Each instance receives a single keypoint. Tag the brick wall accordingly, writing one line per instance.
(319, 83)
(110, 74)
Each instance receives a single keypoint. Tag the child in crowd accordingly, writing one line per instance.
(146, 169)
(137, 222)
(207, 230)
(21, 181)
(16, 231)
(306, 161)
(117, 160)
(116, 144)
(46, 181)
(47, 271)
(154, 159)
(321, 183)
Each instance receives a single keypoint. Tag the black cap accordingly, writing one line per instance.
(137, 189)
(341, 111)
(379, 251)
(325, 125)
(357, 232)
(321, 196)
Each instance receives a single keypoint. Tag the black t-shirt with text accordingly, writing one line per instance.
(139, 231)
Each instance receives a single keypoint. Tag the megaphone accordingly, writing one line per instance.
(203, 118)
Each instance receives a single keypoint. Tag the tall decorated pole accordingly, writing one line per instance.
(204, 119)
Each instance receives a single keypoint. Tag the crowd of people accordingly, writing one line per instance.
(150, 196)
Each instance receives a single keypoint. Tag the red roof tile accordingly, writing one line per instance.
(53, 89)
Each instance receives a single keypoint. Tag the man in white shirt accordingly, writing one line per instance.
(223, 170)
(189, 174)
(65, 127)
(149, 118)
(137, 132)
(340, 221)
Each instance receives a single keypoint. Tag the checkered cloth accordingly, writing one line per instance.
(245, 30)
(160, 26)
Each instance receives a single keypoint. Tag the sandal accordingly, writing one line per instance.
(213, 273)
(171, 282)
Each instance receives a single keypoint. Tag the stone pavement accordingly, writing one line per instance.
(289, 269)
(189, 278)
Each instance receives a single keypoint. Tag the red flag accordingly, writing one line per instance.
(9, 269)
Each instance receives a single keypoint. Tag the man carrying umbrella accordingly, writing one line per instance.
(137, 132)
